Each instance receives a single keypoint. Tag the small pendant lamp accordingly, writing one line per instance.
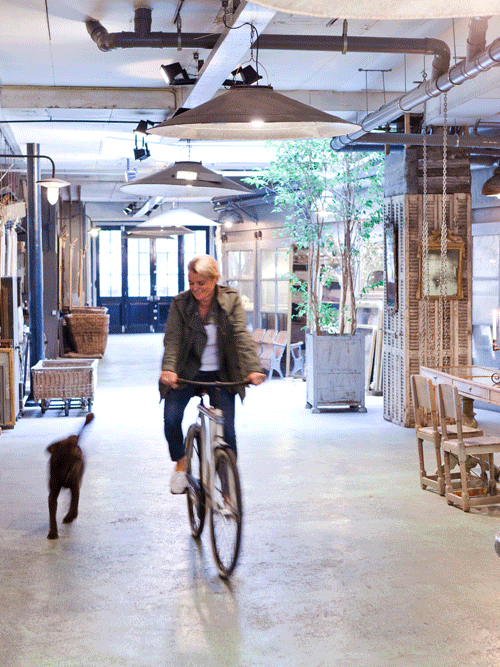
(253, 113)
(184, 179)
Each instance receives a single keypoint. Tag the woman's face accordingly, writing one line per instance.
(202, 288)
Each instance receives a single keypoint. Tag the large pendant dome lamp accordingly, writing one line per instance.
(184, 179)
(384, 9)
(253, 113)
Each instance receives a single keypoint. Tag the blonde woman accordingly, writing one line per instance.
(206, 339)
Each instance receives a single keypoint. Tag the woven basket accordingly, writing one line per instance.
(61, 378)
(88, 332)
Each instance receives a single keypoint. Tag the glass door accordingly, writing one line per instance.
(137, 277)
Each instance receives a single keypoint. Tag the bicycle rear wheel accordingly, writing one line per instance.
(226, 513)
(194, 470)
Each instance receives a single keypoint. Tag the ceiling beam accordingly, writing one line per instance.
(117, 100)
(227, 53)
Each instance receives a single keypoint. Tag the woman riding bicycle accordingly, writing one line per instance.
(206, 339)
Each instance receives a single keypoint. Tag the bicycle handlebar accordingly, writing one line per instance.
(217, 383)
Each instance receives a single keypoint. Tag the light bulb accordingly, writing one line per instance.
(52, 195)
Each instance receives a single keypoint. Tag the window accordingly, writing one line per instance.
(110, 263)
(486, 277)
(274, 287)
(194, 244)
(240, 275)
(139, 269)
(167, 270)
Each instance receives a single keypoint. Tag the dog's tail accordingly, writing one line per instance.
(88, 419)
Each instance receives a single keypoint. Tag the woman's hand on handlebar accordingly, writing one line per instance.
(256, 378)
(170, 379)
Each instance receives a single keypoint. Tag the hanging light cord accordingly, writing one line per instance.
(254, 36)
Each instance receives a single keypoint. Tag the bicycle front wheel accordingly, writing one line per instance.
(194, 470)
(226, 513)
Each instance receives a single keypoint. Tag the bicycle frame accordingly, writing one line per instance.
(214, 484)
(215, 432)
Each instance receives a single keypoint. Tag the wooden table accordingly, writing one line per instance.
(472, 382)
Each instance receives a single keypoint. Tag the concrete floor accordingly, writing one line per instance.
(345, 561)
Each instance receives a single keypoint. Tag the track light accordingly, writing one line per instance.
(176, 75)
(491, 187)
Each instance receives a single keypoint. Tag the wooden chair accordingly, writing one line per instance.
(257, 336)
(465, 493)
(428, 428)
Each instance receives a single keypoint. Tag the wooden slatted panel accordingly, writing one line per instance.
(403, 327)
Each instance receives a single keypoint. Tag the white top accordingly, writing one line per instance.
(210, 356)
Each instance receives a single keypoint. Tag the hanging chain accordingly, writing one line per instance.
(425, 346)
(443, 329)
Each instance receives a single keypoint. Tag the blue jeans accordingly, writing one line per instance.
(175, 404)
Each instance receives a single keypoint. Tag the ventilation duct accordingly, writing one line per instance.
(463, 71)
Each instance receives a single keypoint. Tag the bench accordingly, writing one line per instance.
(271, 345)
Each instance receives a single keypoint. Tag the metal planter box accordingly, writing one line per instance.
(335, 371)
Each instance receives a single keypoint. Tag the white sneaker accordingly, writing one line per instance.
(178, 482)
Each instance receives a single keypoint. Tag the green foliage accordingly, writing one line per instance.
(331, 202)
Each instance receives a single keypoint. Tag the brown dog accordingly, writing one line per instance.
(65, 471)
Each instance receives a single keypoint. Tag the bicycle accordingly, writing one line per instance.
(214, 482)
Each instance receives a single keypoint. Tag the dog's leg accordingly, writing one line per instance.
(53, 534)
(73, 508)
(75, 481)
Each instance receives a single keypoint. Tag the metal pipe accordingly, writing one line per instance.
(37, 351)
(476, 40)
(143, 37)
(453, 140)
(462, 71)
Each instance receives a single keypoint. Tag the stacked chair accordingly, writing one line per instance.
(429, 428)
(457, 442)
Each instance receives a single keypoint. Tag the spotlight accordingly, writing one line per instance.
(248, 76)
(176, 75)
(130, 209)
(141, 152)
(142, 127)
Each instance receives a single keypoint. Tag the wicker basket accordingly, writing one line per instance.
(62, 378)
(88, 332)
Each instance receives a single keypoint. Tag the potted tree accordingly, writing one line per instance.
(331, 202)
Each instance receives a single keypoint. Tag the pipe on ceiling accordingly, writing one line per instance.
(453, 140)
(461, 72)
(143, 37)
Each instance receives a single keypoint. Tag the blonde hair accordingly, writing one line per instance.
(204, 266)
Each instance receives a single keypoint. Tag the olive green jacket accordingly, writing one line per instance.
(185, 337)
